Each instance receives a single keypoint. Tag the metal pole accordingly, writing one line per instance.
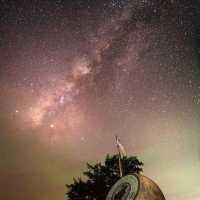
(119, 157)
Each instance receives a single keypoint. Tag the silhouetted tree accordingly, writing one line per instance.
(101, 177)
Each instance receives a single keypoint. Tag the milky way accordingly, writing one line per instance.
(75, 74)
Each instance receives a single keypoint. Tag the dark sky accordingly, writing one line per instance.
(73, 74)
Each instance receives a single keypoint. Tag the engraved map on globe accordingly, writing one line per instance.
(135, 187)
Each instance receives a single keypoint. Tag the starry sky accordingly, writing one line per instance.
(73, 74)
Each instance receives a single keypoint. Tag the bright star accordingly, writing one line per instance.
(52, 126)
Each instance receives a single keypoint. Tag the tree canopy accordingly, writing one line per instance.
(101, 177)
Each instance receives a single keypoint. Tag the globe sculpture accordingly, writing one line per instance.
(135, 187)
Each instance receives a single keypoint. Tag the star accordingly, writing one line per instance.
(52, 126)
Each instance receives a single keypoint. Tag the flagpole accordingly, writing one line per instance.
(119, 157)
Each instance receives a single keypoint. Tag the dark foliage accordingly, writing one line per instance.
(101, 177)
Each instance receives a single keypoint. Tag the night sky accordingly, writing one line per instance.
(73, 74)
